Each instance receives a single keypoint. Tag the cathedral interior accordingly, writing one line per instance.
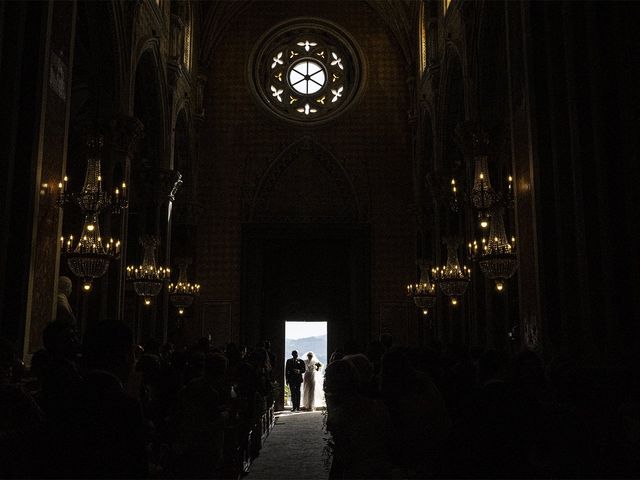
(457, 177)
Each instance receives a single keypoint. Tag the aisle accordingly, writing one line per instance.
(293, 449)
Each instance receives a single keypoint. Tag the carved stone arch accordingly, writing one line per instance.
(150, 59)
(306, 183)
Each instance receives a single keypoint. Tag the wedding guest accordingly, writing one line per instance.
(360, 427)
(108, 426)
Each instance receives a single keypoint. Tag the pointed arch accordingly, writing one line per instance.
(305, 184)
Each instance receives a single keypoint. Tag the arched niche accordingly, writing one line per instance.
(148, 108)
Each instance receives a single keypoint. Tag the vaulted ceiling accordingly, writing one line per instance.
(399, 15)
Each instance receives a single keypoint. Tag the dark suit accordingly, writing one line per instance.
(294, 380)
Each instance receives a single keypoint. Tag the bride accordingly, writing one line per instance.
(312, 365)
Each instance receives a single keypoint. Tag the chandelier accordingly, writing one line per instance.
(497, 256)
(424, 292)
(147, 278)
(452, 278)
(183, 293)
(482, 195)
(89, 257)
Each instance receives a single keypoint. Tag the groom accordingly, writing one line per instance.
(294, 370)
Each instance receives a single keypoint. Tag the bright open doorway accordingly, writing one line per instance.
(307, 337)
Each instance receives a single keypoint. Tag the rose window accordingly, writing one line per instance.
(306, 71)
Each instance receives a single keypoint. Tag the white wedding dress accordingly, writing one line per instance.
(309, 383)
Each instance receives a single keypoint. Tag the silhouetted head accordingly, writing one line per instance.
(40, 363)
(335, 356)
(267, 345)
(108, 345)
(167, 350)
(341, 380)
(215, 365)
(203, 344)
(60, 339)
(363, 368)
(387, 340)
(294, 354)
(492, 365)
(310, 355)
(395, 371)
(260, 358)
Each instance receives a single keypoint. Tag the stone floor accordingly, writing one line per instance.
(293, 449)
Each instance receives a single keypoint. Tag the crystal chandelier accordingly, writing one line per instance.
(183, 293)
(451, 278)
(147, 278)
(89, 257)
(482, 195)
(423, 292)
(497, 256)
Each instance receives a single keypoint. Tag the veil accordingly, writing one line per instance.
(314, 359)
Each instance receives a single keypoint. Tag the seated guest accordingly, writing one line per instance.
(418, 413)
(21, 423)
(105, 436)
(199, 423)
(364, 371)
(360, 426)
(491, 438)
(57, 372)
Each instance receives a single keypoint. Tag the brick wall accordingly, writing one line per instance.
(239, 139)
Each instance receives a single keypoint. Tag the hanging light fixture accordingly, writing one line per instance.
(482, 195)
(452, 279)
(148, 278)
(497, 256)
(89, 257)
(424, 292)
(183, 293)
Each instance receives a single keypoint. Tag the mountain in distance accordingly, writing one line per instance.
(317, 345)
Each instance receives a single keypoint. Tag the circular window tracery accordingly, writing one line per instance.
(306, 71)
(307, 76)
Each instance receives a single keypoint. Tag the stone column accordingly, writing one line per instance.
(125, 133)
(166, 186)
(50, 154)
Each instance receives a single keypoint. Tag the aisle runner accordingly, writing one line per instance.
(293, 449)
